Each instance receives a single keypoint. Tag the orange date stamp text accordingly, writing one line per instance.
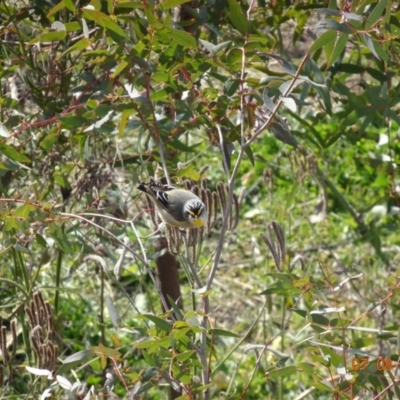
(382, 364)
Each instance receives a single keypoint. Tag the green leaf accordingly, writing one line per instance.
(78, 46)
(249, 154)
(324, 39)
(161, 94)
(167, 4)
(238, 18)
(214, 49)
(49, 140)
(73, 26)
(231, 86)
(158, 322)
(306, 367)
(24, 211)
(60, 6)
(234, 57)
(322, 386)
(190, 172)
(281, 288)
(61, 180)
(72, 121)
(185, 355)
(329, 11)
(375, 48)
(281, 372)
(123, 65)
(145, 344)
(123, 121)
(103, 20)
(223, 332)
(375, 14)
(69, 4)
(78, 356)
(329, 47)
(334, 358)
(129, 5)
(330, 24)
(13, 154)
(49, 37)
(106, 351)
(151, 18)
(339, 47)
(182, 38)
(60, 238)
(11, 224)
(41, 241)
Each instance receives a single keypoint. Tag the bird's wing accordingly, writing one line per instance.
(162, 197)
(158, 191)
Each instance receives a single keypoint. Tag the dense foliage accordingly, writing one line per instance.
(285, 114)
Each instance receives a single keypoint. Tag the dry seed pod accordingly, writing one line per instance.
(272, 250)
(38, 298)
(215, 207)
(35, 344)
(6, 357)
(235, 211)
(173, 239)
(242, 195)
(14, 337)
(230, 219)
(209, 205)
(221, 195)
(276, 243)
(30, 317)
(50, 335)
(196, 190)
(281, 239)
(298, 259)
(203, 196)
(203, 170)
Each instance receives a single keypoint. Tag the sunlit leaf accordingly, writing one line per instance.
(13, 154)
(167, 4)
(330, 24)
(376, 13)
(323, 40)
(238, 18)
(182, 38)
(375, 48)
(158, 322)
(50, 37)
(103, 20)
(48, 142)
(281, 372)
(223, 332)
(182, 357)
(78, 46)
(338, 49)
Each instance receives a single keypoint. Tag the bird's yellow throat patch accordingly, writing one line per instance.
(198, 223)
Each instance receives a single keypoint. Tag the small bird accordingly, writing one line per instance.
(177, 207)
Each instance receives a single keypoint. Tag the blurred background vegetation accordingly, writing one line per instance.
(292, 106)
